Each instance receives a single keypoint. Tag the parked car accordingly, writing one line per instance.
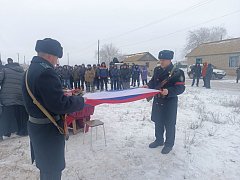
(217, 73)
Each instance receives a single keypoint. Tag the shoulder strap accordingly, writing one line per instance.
(35, 101)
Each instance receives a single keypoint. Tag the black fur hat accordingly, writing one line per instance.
(49, 46)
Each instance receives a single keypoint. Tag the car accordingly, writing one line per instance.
(217, 73)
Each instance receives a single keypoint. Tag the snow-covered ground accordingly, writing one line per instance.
(207, 143)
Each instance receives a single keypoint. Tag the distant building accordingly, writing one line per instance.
(142, 59)
(224, 54)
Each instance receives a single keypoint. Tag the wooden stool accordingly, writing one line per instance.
(91, 124)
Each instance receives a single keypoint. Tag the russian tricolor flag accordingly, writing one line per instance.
(122, 96)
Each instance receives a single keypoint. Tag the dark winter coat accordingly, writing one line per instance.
(165, 108)
(76, 74)
(103, 72)
(47, 144)
(196, 70)
(136, 73)
(82, 71)
(11, 80)
(66, 74)
(114, 73)
(238, 72)
(125, 74)
(209, 72)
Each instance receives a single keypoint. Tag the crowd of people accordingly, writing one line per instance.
(13, 115)
(206, 72)
(96, 77)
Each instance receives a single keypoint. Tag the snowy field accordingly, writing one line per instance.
(207, 143)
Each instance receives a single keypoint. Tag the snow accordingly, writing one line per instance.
(207, 143)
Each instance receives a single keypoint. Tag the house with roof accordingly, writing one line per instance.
(142, 59)
(224, 54)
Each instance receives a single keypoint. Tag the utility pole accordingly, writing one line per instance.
(98, 52)
(24, 59)
(68, 58)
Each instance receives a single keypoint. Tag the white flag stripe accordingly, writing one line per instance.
(116, 94)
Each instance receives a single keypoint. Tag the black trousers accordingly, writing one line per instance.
(96, 82)
(144, 81)
(82, 81)
(195, 77)
(207, 83)
(76, 84)
(170, 128)
(204, 81)
(104, 81)
(136, 80)
(114, 84)
(50, 175)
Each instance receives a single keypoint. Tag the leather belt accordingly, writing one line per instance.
(42, 120)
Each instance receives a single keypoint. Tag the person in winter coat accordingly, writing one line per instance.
(14, 116)
(66, 77)
(114, 74)
(46, 142)
(125, 76)
(204, 72)
(103, 75)
(144, 74)
(59, 70)
(76, 77)
(164, 108)
(110, 74)
(89, 78)
(97, 78)
(82, 75)
(209, 73)
(238, 74)
(71, 76)
(136, 75)
(196, 70)
(131, 70)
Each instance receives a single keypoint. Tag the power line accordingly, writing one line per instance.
(202, 3)
(169, 34)
(162, 19)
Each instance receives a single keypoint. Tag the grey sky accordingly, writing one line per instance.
(79, 24)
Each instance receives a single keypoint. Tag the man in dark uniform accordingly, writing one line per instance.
(164, 109)
(47, 143)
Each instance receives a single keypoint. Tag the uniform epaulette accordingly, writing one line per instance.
(46, 66)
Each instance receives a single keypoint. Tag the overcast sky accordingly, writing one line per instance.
(131, 25)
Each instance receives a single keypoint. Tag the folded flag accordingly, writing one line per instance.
(123, 96)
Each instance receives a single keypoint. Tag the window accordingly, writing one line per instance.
(199, 60)
(233, 61)
(147, 64)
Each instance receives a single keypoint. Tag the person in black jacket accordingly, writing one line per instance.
(136, 75)
(164, 109)
(197, 71)
(125, 76)
(46, 142)
(208, 76)
(82, 71)
(238, 74)
(14, 116)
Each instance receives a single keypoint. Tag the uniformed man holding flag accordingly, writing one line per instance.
(170, 81)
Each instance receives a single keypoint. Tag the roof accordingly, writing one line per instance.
(143, 56)
(227, 46)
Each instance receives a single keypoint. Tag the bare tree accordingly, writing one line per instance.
(108, 52)
(203, 35)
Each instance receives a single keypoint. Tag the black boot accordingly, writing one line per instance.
(166, 150)
(155, 144)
